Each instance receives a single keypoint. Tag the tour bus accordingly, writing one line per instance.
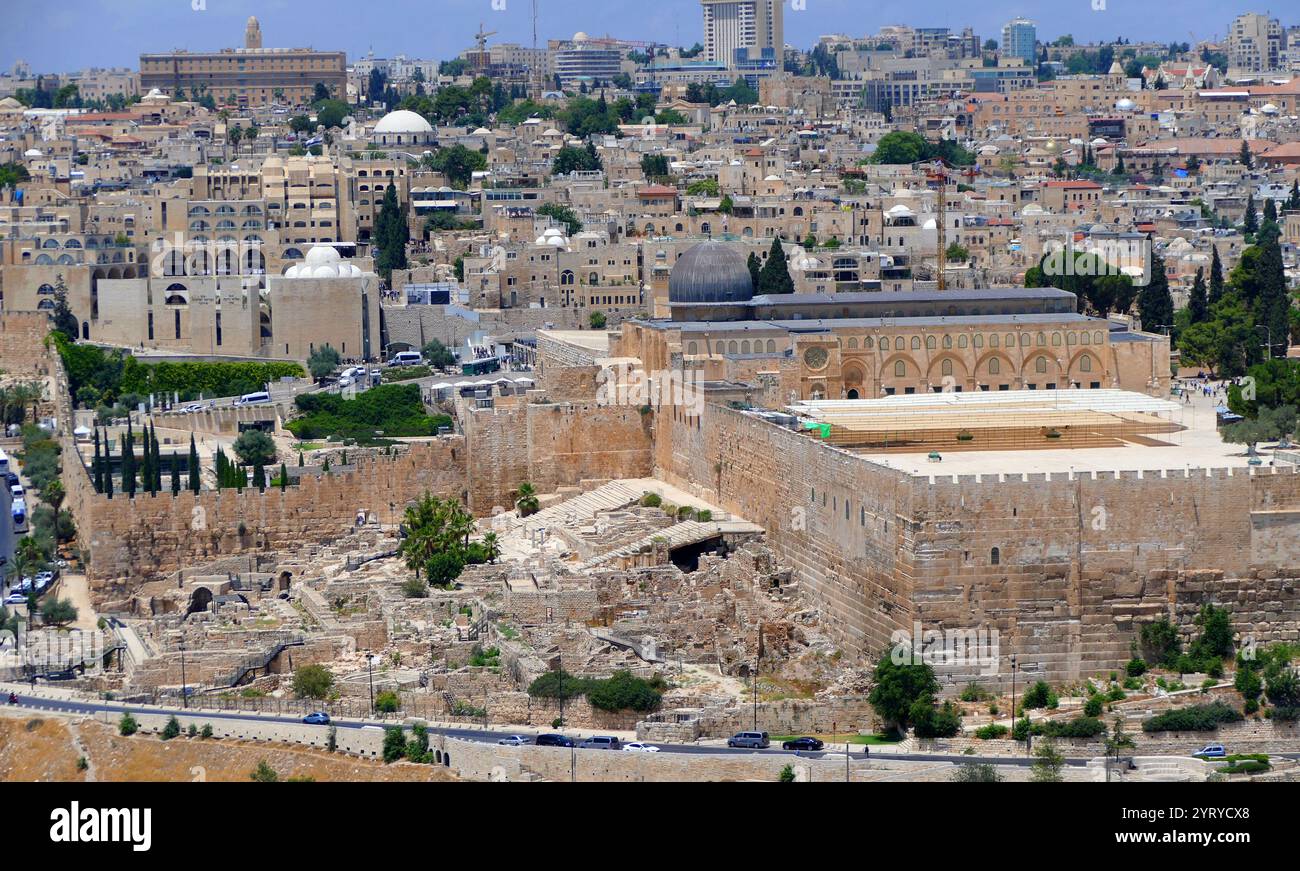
(4, 462)
(406, 358)
(19, 511)
(254, 398)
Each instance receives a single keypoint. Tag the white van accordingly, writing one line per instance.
(4, 462)
(19, 512)
(407, 358)
(254, 398)
(16, 491)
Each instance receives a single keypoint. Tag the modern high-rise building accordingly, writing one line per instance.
(1020, 39)
(248, 76)
(741, 30)
(1255, 44)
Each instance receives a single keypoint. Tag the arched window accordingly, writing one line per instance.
(916, 343)
(1085, 363)
(692, 348)
(744, 347)
(947, 341)
(961, 341)
(771, 346)
(1096, 338)
(900, 369)
(45, 290)
(1024, 340)
(899, 344)
(732, 348)
(853, 344)
(995, 366)
(931, 343)
(995, 557)
(946, 368)
(1040, 365)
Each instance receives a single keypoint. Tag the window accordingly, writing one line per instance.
(946, 368)
(1040, 365)
(1085, 363)
(931, 343)
(995, 557)
(995, 366)
(900, 369)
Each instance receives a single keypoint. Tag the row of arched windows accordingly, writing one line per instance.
(1010, 340)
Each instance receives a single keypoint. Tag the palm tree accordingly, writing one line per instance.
(526, 499)
(492, 547)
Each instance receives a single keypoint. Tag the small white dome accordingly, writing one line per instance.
(581, 36)
(403, 121)
(322, 255)
(1126, 105)
(33, 152)
(1268, 109)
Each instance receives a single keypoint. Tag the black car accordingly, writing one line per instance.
(802, 744)
(554, 741)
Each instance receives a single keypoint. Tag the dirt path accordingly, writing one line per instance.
(76, 589)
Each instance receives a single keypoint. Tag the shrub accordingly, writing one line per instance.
(1080, 727)
(973, 692)
(443, 569)
(264, 773)
(1116, 694)
(787, 774)
(172, 729)
(127, 725)
(624, 692)
(414, 588)
(1040, 695)
(397, 409)
(1197, 718)
(1135, 667)
(192, 731)
(1092, 707)
(976, 772)
(991, 731)
(704, 515)
(1250, 766)
(1160, 642)
(394, 744)
(206, 732)
(387, 702)
(651, 500)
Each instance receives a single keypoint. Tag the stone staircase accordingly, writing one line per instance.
(1166, 769)
(678, 535)
(607, 497)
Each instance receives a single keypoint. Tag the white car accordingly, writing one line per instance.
(193, 409)
(638, 747)
(514, 741)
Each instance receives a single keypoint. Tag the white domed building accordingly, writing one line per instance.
(403, 129)
(323, 300)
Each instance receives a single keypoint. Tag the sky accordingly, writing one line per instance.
(66, 35)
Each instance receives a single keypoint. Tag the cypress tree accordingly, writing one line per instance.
(775, 274)
(176, 474)
(1244, 157)
(97, 466)
(1216, 276)
(1270, 211)
(1293, 201)
(1274, 301)
(1250, 221)
(195, 481)
(300, 459)
(108, 466)
(755, 267)
(146, 462)
(1155, 305)
(128, 462)
(259, 477)
(1197, 304)
(284, 477)
(156, 461)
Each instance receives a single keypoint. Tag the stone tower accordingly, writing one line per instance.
(253, 34)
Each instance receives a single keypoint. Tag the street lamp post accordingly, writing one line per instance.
(185, 695)
(370, 669)
(560, 688)
(1013, 695)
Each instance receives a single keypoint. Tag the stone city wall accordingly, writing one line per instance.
(1064, 567)
(148, 537)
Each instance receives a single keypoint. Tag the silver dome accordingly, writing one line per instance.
(711, 272)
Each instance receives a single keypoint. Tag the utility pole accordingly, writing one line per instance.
(1013, 695)
(561, 688)
(370, 669)
(185, 695)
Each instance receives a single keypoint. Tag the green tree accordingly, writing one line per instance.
(975, 772)
(755, 269)
(58, 612)
(195, 475)
(312, 682)
(1155, 305)
(1197, 301)
(264, 773)
(526, 500)
(391, 234)
(458, 164)
(597, 320)
(564, 215)
(897, 686)
(255, 448)
(1047, 764)
(438, 355)
(898, 147)
(654, 165)
(323, 361)
(570, 159)
(1215, 640)
(774, 277)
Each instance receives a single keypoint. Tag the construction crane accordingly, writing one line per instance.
(482, 36)
(940, 173)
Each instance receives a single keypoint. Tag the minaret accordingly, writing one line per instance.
(253, 34)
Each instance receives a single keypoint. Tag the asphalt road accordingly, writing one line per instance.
(492, 737)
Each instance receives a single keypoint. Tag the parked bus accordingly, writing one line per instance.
(4, 462)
